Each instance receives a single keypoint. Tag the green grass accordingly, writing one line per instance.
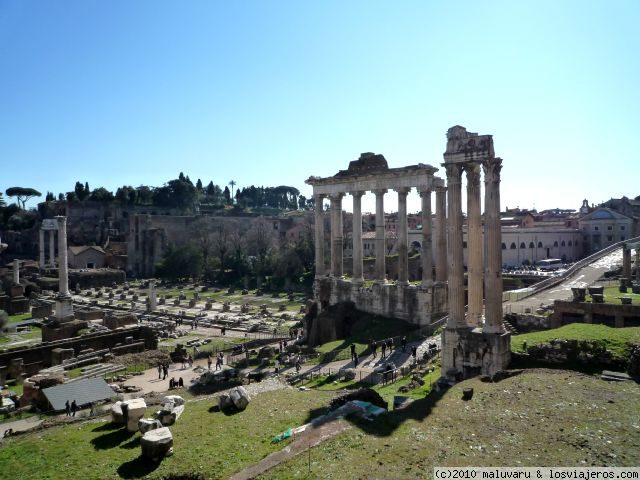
(212, 444)
(18, 318)
(613, 294)
(615, 339)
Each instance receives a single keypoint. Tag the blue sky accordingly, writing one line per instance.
(269, 93)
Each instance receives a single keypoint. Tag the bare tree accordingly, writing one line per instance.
(260, 241)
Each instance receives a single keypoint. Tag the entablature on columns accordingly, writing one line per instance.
(464, 147)
(371, 173)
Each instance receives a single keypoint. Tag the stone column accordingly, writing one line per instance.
(16, 272)
(474, 246)
(626, 262)
(455, 255)
(336, 234)
(52, 248)
(153, 303)
(426, 255)
(493, 244)
(381, 272)
(41, 248)
(319, 235)
(403, 237)
(441, 234)
(63, 269)
(358, 278)
(638, 263)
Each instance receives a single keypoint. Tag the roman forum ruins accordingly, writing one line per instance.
(474, 341)
(415, 304)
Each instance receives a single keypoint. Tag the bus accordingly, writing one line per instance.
(550, 264)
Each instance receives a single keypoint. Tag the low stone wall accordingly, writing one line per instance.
(97, 341)
(96, 278)
(599, 313)
(413, 304)
(63, 330)
(45, 309)
(590, 354)
(113, 321)
(89, 314)
(524, 323)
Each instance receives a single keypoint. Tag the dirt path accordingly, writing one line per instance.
(310, 437)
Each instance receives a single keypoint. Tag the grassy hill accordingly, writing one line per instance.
(540, 417)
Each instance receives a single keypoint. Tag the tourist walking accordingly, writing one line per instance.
(374, 348)
(67, 407)
(390, 346)
(353, 351)
(414, 353)
(355, 360)
(159, 370)
(209, 361)
(403, 342)
(74, 408)
(165, 371)
(383, 346)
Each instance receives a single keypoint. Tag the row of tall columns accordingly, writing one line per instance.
(42, 246)
(403, 238)
(493, 240)
(358, 276)
(441, 234)
(474, 245)
(63, 269)
(319, 235)
(426, 255)
(381, 271)
(454, 251)
(626, 262)
(336, 234)
(336, 266)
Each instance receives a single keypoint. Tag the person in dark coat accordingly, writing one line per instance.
(74, 408)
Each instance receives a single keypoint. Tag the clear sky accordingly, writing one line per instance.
(271, 92)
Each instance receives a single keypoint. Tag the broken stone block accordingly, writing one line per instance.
(224, 401)
(157, 443)
(172, 408)
(136, 409)
(240, 397)
(147, 424)
(116, 413)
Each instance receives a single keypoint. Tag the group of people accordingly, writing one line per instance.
(163, 370)
(188, 361)
(385, 346)
(173, 383)
(219, 361)
(71, 408)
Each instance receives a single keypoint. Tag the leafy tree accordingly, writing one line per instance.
(22, 194)
(199, 185)
(72, 197)
(101, 194)
(260, 241)
(2, 202)
(227, 195)
(180, 193)
(211, 191)
(180, 263)
(49, 197)
(80, 191)
(61, 197)
(144, 195)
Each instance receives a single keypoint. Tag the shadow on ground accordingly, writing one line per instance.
(137, 468)
(112, 439)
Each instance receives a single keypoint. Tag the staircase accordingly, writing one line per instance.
(509, 328)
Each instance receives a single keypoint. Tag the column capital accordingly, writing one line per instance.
(402, 190)
(472, 169)
(454, 173)
(357, 193)
(379, 191)
(424, 191)
(492, 167)
(336, 196)
(440, 189)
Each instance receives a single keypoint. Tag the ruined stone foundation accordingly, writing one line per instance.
(470, 352)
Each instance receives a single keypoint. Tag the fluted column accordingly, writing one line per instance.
(626, 262)
(426, 254)
(52, 248)
(474, 246)
(336, 234)
(380, 237)
(41, 248)
(493, 240)
(63, 269)
(153, 303)
(16, 271)
(441, 234)
(455, 255)
(358, 277)
(403, 237)
(319, 235)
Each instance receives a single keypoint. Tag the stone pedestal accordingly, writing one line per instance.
(468, 352)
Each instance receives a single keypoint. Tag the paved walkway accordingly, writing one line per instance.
(582, 278)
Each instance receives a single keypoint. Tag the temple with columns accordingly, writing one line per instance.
(474, 340)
